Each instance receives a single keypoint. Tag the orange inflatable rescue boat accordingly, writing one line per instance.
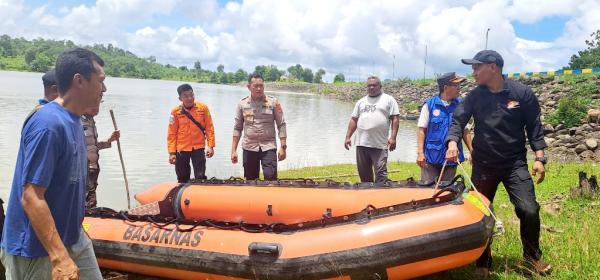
(296, 229)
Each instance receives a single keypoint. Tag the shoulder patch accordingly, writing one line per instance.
(171, 119)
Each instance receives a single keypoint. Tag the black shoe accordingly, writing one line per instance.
(482, 272)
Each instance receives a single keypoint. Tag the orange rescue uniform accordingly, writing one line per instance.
(184, 135)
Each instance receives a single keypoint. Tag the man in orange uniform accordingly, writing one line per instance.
(191, 135)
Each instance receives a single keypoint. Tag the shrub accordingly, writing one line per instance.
(571, 110)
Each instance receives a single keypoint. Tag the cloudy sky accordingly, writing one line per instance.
(357, 38)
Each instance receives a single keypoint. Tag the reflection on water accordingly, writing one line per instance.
(316, 128)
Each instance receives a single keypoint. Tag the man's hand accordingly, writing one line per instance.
(468, 158)
(452, 152)
(38, 212)
(209, 152)
(172, 159)
(64, 268)
(114, 136)
(234, 157)
(539, 170)
(421, 160)
(281, 154)
(347, 143)
(392, 144)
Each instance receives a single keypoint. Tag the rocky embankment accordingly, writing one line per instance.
(565, 143)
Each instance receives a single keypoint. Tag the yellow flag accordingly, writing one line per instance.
(476, 201)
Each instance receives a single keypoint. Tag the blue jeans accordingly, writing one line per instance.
(82, 253)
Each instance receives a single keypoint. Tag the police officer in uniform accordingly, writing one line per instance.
(434, 122)
(93, 148)
(256, 117)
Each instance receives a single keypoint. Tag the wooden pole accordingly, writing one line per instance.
(112, 115)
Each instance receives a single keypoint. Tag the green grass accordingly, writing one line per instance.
(574, 251)
(411, 106)
(16, 63)
(579, 78)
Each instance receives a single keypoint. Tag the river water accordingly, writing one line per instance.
(316, 128)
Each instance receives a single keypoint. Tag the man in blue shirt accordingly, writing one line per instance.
(42, 236)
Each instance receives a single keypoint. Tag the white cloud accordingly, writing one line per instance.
(356, 37)
(530, 11)
(10, 12)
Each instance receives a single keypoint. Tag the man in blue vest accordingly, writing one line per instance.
(434, 122)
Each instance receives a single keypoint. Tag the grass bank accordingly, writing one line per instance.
(570, 236)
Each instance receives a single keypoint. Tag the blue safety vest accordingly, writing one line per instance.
(440, 119)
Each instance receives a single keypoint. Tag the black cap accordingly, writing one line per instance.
(49, 79)
(485, 56)
(449, 78)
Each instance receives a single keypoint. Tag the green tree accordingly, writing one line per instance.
(339, 78)
(319, 76)
(240, 75)
(589, 58)
(220, 68)
(129, 67)
(198, 66)
(295, 72)
(307, 75)
(30, 55)
(6, 46)
(273, 74)
(41, 63)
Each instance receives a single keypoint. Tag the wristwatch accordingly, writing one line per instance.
(543, 160)
(284, 147)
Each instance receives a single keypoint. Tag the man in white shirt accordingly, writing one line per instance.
(371, 119)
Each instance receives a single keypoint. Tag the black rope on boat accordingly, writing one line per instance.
(302, 183)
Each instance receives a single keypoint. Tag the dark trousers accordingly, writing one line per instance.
(91, 185)
(182, 165)
(369, 161)
(519, 185)
(266, 159)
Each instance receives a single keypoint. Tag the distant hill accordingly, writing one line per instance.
(39, 55)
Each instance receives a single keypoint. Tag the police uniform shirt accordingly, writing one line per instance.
(256, 120)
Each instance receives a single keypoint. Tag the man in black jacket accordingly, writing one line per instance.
(503, 111)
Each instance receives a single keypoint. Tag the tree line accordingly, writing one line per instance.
(590, 57)
(39, 55)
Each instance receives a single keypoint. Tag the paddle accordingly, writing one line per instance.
(112, 115)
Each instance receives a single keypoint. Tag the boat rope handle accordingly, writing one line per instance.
(499, 224)
(437, 184)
